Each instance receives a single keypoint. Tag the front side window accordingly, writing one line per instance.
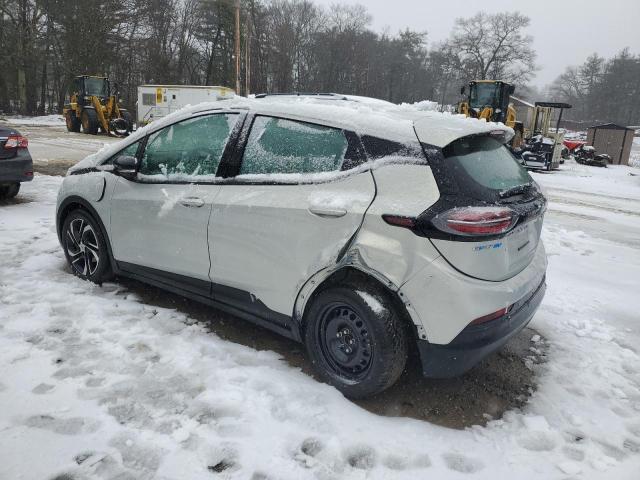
(277, 146)
(129, 151)
(189, 148)
(484, 95)
(96, 86)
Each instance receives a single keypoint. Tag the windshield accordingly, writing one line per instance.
(487, 162)
(96, 86)
(484, 94)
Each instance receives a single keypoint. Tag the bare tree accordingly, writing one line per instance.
(494, 46)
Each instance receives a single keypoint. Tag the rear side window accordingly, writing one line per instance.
(276, 145)
(379, 148)
(486, 161)
(192, 147)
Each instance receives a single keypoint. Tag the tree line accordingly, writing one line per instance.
(286, 45)
(602, 90)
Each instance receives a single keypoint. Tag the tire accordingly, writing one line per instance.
(358, 348)
(89, 121)
(9, 191)
(129, 119)
(73, 122)
(85, 248)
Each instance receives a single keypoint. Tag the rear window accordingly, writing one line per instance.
(487, 161)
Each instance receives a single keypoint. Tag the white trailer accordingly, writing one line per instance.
(157, 101)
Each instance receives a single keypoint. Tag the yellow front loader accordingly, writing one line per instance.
(490, 100)
(93, 107)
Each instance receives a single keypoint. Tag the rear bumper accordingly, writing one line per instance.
(476, 342)
(16, 170)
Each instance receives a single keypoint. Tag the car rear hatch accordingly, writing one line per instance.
(488, 221)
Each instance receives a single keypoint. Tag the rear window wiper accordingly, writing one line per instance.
(517, 190)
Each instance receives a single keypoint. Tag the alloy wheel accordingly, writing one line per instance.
(82, 246)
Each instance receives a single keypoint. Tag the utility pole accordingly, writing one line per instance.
(247, 60)
(237, 49)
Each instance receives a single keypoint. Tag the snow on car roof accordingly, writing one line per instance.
(399, 123)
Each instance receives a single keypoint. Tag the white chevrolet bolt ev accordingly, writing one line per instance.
(361, 230)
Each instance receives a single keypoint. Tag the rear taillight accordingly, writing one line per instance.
(476, 221)
(492, 316)
(16, 141)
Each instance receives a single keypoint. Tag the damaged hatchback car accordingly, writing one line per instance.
(362, 231)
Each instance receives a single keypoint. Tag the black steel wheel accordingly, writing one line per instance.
(85, 247)
(358, 346)
(343, 336)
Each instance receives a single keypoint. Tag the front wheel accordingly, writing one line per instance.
(90, 122)
(85, 247)
(72, 121)
(356, 340)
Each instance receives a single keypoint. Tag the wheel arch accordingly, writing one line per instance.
(75, 202)
(350, 275)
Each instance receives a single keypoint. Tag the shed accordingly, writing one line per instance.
(614, 140)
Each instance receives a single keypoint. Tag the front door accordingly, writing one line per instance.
(159, 220)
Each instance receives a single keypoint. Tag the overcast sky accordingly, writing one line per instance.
(565, 31)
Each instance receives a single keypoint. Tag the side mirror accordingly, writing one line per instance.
(125, 166)
(512, 89)
(463, 89)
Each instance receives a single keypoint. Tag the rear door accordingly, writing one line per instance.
(489, 220)
(159, 220)
(286, 215)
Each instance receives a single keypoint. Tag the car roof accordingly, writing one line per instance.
(399, 123)
(6, 131)
(368, 116)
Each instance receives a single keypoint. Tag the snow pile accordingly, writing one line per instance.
(101, 385)
(44, 120)
(571, 135)
(422, 106)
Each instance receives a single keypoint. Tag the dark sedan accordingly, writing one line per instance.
(16, 165)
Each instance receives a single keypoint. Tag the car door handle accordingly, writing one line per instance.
(192, 202)
(328, 211)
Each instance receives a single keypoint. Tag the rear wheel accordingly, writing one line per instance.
(85, 247)
(356, 340)
(9, 191)
(129, 119)
(90, 121)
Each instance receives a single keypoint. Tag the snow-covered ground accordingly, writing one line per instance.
(42, 120)
(634, 159)
(95, 383)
